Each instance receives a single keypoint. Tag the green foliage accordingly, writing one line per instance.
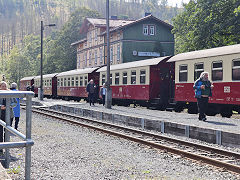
(62, 55)
(207, 24)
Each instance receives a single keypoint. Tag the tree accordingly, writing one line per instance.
(62, 55)
(207, 24)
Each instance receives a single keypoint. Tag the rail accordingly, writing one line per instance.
(27, 141)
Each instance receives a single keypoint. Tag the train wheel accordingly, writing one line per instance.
(192, 109)
(226, 114)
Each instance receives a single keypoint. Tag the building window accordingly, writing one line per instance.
(76, 81)
(81, 81)
(116, 78)
(85, 43)
(236, 69)
(217, 71)
(183, 73)
(118, 53)
(133, 77)
(101, 38)
(85, 81)
(149, 29)
(198, 69)
(96, 34)
(152, 30)
(118, 35)
(90, 58)
(72, 81)
(111, 54)
(96, 56)
(145, 29)
(90, 36)
(100, 54)
(111, 36)
(85, 59)
(103, 78)
(142, 76)
(124, 77)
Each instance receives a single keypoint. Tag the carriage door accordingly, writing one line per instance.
(164, 84)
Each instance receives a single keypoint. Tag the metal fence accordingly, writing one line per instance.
(27, 141)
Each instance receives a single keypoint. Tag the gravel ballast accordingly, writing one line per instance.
(64, 151)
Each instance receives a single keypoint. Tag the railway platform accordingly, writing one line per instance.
(218, 130)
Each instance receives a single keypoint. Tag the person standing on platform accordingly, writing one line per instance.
(16, 110)
(91, 91)
(103, 93)
(203, 90)
(13, 103)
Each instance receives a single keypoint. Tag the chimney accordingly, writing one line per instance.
(114, 17)
(147, 14)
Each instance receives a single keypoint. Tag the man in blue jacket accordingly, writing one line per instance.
(203, 91)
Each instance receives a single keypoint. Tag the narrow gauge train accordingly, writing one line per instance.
(223, 65)
(164, 81)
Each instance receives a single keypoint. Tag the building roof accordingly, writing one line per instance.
(112, 22)
(225, 50)
(139, 20)
(80, 41)
(134, 64)
(27, 78)
(77, 72)
(46, 76)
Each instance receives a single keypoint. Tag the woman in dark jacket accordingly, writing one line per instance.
(13, 103)
(203, 90)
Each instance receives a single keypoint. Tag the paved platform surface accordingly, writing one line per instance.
(3, 174)
(213, 122)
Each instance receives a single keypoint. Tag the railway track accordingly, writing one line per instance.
(220, 158)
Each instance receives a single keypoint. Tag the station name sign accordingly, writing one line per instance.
(151, 54)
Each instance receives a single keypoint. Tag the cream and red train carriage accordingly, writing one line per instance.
(26, 82)
(49, 85)
(71, 85)
(223, 65)
(145, 82)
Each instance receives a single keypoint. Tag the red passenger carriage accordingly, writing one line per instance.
(71, 85)
(146, 82)
(223, 65)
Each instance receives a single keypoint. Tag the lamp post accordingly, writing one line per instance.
(109, 90)
(41, 63)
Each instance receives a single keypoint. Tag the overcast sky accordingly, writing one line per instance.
(178, 2)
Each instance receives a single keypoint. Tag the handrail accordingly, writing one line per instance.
(27, 141)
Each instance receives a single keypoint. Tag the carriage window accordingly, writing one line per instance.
(65, 82)
(85, 80)
(61, 81)
(183, 72)
(133, 77)
(142, 76)
(50, 82)
(124, 77)
(198, 69)
(103, 78)
(76, 81)
(81, 81)
(72, 81)
(217, 71)
(116, 78)
(69, 82)
(236, 69)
